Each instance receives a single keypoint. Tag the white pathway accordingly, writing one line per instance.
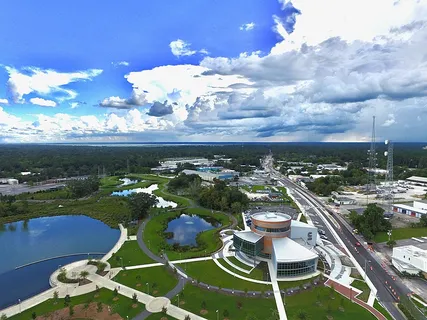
(276, 291)
(119, 243)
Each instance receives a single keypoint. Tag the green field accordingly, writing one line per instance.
(131, 254)
(361, 285)
(307, 301)
(208, 272)
(238, 263)
(401, 233)
(284, 285)
(154, 238)
(256, 273)
(194, 297)
(123, 306)
(160, 281)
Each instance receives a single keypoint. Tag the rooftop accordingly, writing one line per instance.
(406, 207)
(272, 216)
(248, 236)
(412, 250)
(417, 179)
(287, 250)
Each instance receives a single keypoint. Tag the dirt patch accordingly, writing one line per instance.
(155, 291)
(138, 285)
(84, 281)
(102, 274)
(203, 312)
(125, 274)
(182, 302)
(135, 305)
(81, 313)
(163, 318)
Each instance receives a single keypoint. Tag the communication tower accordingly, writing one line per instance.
(389, 195)
(372, 170)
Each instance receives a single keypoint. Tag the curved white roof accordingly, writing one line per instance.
(287, 250)
(269, 216)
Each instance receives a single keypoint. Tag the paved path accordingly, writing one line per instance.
(352, 295)
(119, 243)
(276, 291)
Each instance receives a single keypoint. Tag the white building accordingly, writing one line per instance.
(330, 167)
(410, 259)
(421, 181)
(344, 200)
(12, 181)
(210, 176)
(418, 208)
(25, 173)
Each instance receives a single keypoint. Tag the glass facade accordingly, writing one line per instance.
(293, 269)
(248, 248)
(272, 230)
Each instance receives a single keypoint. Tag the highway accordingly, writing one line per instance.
(377, 275)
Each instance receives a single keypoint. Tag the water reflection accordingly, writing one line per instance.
(184, 229)
(162, 202)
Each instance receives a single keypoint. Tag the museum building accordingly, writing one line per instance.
(275, 236)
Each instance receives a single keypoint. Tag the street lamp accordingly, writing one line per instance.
(148, 288)
(19, 303)
(389, 234)
(217, 315)
(121, 259)
(366, 260)
(178, 299)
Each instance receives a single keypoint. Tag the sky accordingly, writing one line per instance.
(203, 71)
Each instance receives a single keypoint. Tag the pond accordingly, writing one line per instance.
(162, 202)
(127, 182)
(184, 229)
(28, 241)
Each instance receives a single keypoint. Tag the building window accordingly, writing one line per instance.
(272, 230)
(293, 269)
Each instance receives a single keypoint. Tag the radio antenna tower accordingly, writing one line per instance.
(389, 196)
(372, 170)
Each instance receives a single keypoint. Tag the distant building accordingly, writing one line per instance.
(330, 167)
(210, 176)
(419, 181)
(343, 200)
(25, 173)
(410, 259)
(418, 208)
(12, 181)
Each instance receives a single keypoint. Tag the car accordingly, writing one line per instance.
(323, 237)
(355, 231)
(358, 244)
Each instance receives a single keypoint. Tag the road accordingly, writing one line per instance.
(377, 275)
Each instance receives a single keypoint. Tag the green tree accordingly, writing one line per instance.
(55, 296)
(423, 220)
(203, 305)
(187, 317)
(236, 207)
(115, 292)
(3, 317)
(71, 310)
(34, 315)
(164, 310)
(225, 313)
(134, 298)
(99, 307)
(140, 203)
(84, 274)
(391, 243)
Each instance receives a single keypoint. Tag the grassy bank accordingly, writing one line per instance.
(401, 233)
(131, 255)
(361, 285)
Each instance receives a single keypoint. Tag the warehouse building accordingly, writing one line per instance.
(418, 208)
(210, 176)
(418, 181)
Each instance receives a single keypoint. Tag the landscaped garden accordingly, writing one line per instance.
(361, 285)
(156, 281)
(130, 254)
(256, 273)
(205, 303)
(95, 305)
(207, 241)
(208, 272)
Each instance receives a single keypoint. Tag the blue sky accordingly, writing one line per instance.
(241, 70)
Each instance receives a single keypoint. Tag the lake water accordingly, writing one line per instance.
(25, 242)
(186, 227)
(162, 202)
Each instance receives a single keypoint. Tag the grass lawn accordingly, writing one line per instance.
(208, 272)
(153, 234)
(401, 233)
(361, 285)
(256, 273)
(45, 195)
(307, 302)
(284, 285)
(381, 309)
(194, 297)
(132, 255)
(160, 280)
(123, 306)
(239, 263)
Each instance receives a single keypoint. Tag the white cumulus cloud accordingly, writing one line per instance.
(181, 48)
(43, 102)
(4, 101)
(120, 63)
(45, 82)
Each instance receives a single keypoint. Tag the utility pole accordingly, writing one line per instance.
(371, 185)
